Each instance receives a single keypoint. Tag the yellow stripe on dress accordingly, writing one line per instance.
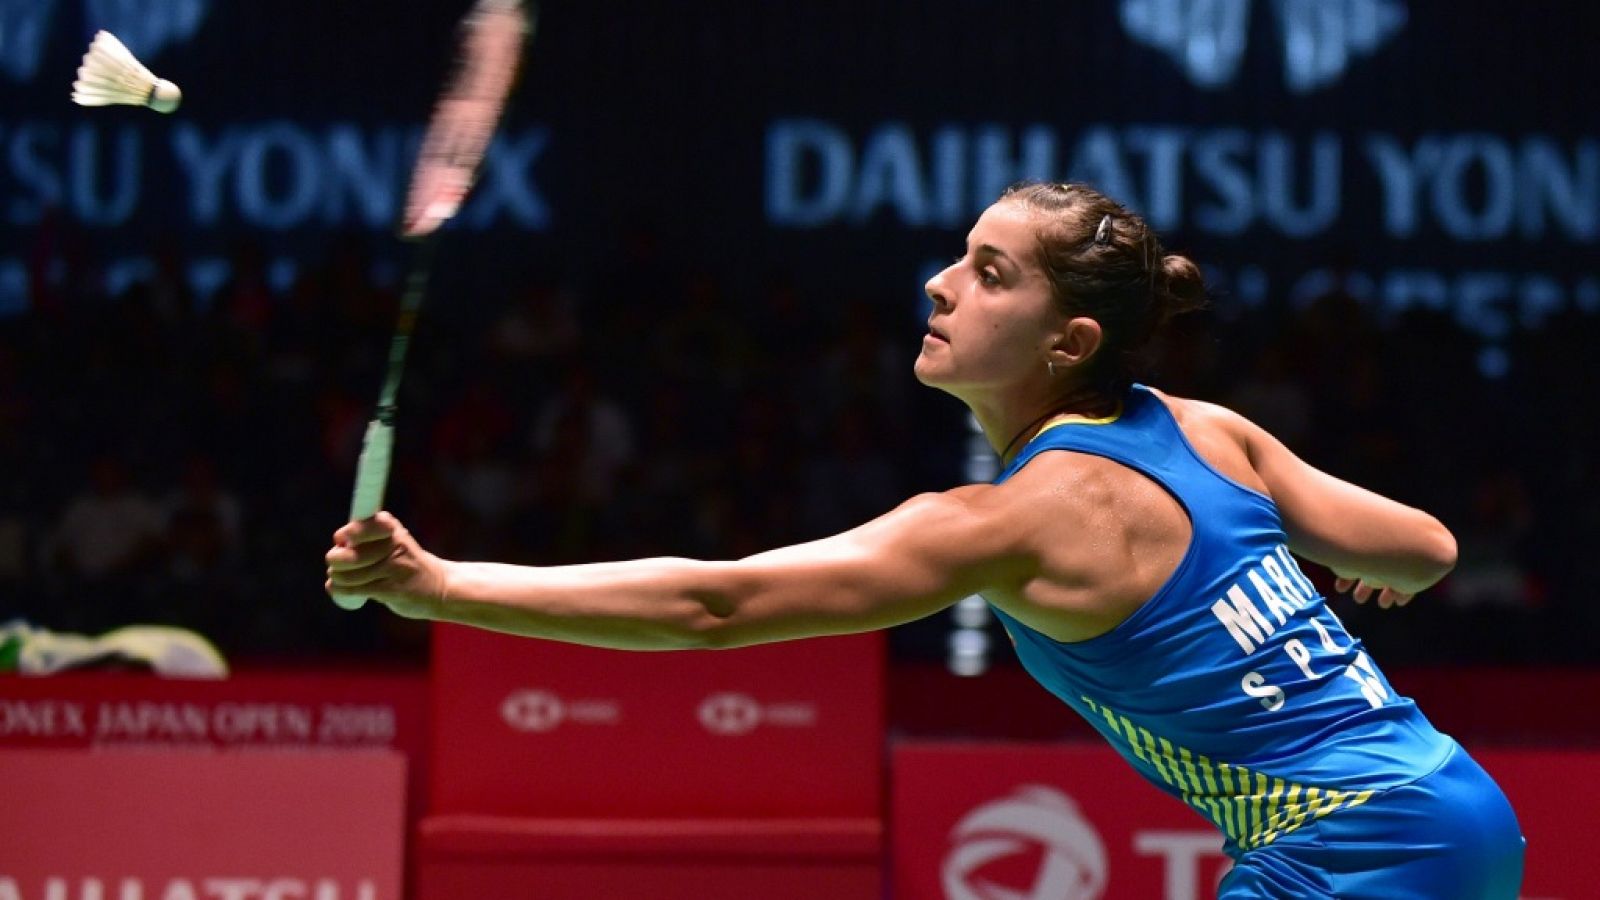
(1291, 809)
(1213, 799)
(1133, 739)
(1155, 758)
(1272, 808)
(1227, 779)
(1251, 808)
(1073, 419)
(1172, 762)
(1194, 776)
(1111, 719)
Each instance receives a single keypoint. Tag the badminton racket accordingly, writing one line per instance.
(491, 39)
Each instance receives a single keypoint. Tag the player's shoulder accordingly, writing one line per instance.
(1055, 488)
(1043, 482)
(973, 503)
(979, 519)
(1205, 414)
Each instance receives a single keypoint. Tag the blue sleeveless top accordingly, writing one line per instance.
(1235, 687)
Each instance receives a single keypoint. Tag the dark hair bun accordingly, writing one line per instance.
(1182, 288)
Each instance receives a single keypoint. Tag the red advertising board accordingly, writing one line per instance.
(660, 859)
(247, 709)
(561, 771)
(306, 709)
(536, 728)
(202, 824)
(1556, 794)
(1048, 821)
(1072, 821)
(1478, 705)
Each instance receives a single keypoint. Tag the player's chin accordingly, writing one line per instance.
(928, 371)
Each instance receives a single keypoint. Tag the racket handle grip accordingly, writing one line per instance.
(372, 476)
(372, 471)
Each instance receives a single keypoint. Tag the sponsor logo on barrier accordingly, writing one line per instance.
(730, 713)
(1072, 866)
(534, 710)
(120, 721)
(1037, 843)
(1317, 39)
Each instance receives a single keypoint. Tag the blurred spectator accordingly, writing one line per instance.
(110, 528)
(785, 328)
(1272, 399)
(1490, 572)
(700, 343)
(245, 301)
(852, 479)
(865, 365)
(15, 413)
(480, 414)
(539, 329)
(342, 422)
(171, 297)
(61, 276)
(13, 547)
(1362, 428)
(203, 522)
(588, 434)
(489, 488)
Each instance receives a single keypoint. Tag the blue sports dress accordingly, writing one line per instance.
(1237, 690)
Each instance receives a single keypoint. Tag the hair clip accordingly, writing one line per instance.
(1102, 235)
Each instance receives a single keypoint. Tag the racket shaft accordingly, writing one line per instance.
(372, 476)
(377, 445)
(456, 139)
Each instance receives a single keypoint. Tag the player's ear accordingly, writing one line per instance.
(1075, 342)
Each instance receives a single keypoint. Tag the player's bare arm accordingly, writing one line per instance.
(1371, 543)
(919, 558)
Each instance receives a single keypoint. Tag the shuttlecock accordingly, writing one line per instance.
(110, 75)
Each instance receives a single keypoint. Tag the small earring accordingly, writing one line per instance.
(1050, 364)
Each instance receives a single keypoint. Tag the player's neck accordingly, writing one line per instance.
(1009, 427)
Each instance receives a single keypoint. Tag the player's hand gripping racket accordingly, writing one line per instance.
(492, 36)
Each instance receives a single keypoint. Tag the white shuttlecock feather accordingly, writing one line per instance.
(111, 76)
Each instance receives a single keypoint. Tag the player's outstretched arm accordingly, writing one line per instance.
(919, 558)
(1372, 543)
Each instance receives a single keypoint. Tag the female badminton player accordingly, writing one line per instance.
(1140, 549)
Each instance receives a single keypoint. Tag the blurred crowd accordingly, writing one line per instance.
(175, 459)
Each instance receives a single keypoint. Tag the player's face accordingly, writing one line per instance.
(992, 313)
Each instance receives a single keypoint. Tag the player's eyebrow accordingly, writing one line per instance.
(992, 250)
